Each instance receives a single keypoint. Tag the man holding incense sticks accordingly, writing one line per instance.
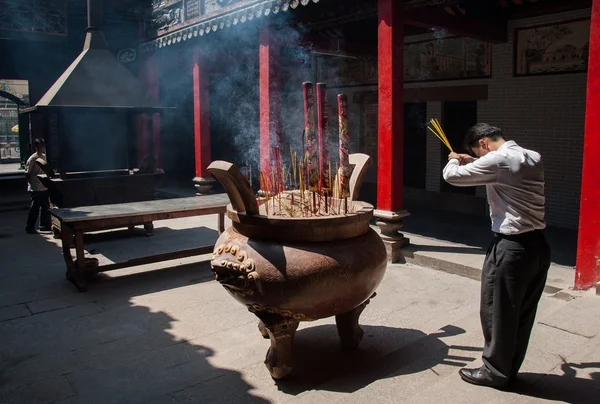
(517, 261)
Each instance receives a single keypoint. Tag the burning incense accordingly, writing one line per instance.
(323, 122)
(311, 139)
(278, 168)
(293, 160)
(439, 133)
(344, 173)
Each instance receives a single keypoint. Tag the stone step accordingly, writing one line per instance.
(467, 261)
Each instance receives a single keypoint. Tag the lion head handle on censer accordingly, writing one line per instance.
(231, 265)
(235, 271)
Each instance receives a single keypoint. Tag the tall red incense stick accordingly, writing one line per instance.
(344, 174)
(323, 122)
(311, 138)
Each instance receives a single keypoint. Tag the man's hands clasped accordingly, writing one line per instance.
(462, 158)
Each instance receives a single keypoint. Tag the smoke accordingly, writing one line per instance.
(235, 92)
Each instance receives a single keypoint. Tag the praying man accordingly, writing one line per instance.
(517, 261)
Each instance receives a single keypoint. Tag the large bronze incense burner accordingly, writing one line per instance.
(292, 269)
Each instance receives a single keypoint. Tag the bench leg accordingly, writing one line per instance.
(77, 274)
(149, 227)
(221, 223)
(66, 241)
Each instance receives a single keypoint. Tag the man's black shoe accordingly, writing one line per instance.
(46, 229)
(480, 377)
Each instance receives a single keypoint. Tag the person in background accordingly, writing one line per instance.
(518, 258)
(39, 193)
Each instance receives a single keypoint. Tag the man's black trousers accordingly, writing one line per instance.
(512, 282)
(39, 201)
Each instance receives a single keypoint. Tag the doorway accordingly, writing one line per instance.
(177, 125)
(415, 145)
(458, 117)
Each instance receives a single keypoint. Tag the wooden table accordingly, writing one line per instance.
(76, 221)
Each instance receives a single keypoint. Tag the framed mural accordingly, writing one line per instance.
(552, 49)
(339, 71)
(451, 58)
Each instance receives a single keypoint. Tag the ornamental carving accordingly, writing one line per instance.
(225, 3)
(286, 314)
(166, 18)
(239, 275)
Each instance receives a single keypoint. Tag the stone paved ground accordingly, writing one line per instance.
(168, 333)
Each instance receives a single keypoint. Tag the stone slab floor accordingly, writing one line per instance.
(168, 333)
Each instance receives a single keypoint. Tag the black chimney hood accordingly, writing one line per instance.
(96, 79)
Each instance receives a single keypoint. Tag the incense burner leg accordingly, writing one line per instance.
(348, 328)
(281, 332)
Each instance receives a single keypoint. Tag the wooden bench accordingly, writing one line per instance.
(76, 221)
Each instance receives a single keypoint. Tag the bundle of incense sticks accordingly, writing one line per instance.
(437, 130)
(312, 176)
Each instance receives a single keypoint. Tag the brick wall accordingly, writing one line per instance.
(434, 166)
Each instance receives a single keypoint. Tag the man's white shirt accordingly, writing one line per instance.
(32, 170)
(514, 181)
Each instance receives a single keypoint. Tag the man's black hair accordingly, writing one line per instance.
(480, 131)
(39, 143)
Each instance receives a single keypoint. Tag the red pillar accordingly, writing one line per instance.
(390, 162)
(201, 116)
(270, 124)
(149, 78)
(390, 154)
(588, 250)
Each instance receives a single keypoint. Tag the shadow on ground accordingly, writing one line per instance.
(566, 388)
(320, 364)
(64, 347)
(111, 350)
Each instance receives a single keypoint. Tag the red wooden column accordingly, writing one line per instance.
(270, 97)
(203, 180)
(588, 250)
(149, 79)
(390, 164)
